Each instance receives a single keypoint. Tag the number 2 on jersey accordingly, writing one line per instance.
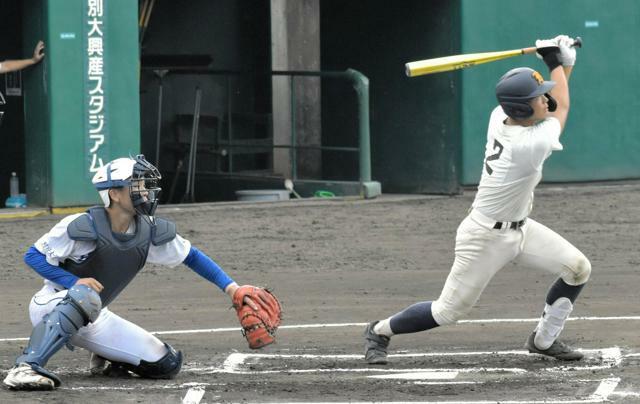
(496, 145)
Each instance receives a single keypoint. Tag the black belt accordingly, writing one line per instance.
(509, 225)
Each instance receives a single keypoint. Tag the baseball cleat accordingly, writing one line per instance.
(375, 346)
(558, 350)
(97, 364)
(23, 377)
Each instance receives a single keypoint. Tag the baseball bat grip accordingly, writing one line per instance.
(576, 44)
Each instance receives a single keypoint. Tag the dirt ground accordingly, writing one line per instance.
(337, 264)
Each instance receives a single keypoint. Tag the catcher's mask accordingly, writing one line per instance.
(140, 176)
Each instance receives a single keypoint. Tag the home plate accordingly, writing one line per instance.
(418, 376)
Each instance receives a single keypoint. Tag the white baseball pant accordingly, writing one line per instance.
(481, 251)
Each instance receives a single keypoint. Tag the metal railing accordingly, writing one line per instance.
(359, 81)
(361, 85)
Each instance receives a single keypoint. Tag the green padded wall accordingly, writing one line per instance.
(600, 140)
(414, 121)
(57, 117)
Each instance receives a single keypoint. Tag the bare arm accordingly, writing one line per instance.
(560, 93)
(13, 65)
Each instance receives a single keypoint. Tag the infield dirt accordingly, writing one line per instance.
(347, 262)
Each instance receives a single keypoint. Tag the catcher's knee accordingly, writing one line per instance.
(78, 308)
(166, 367)
(446, 314)
(579, 273)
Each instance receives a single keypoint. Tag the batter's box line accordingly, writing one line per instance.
(603, 391)
(235, 363)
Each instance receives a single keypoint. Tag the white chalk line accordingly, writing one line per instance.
(597, 397)
(191, 385)
(605, 389)
(330, 325)
(601, 394)
(430, 375)
(235, 363)
(236, 360)
(625, 394)
(193, 396)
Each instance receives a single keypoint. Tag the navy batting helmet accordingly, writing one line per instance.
(519, 86)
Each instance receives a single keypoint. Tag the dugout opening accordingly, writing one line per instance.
(198, 88)
(12, 96)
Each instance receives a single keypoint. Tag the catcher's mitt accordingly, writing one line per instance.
(259, 324)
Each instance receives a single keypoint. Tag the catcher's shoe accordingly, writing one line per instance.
(23, 377)
(97, 364)
(104, 367)
(558, 350)
(375, 346)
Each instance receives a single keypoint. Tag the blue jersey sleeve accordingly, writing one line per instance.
(207, 268)
(37, 260)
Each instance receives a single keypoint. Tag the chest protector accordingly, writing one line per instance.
(118, 257)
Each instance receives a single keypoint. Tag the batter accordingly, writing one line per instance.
(523, 132)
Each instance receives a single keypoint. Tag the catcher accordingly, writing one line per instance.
(87, 259)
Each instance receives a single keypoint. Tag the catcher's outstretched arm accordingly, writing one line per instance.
(204, 266)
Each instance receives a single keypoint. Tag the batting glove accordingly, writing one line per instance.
(567, 51)
(549, 51)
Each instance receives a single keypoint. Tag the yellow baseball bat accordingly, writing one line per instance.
(448, 63)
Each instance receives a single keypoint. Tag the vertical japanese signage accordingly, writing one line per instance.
(96, 112)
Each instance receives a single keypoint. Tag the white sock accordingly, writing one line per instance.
(383, 328)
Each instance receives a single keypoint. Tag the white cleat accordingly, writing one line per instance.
(23, 377)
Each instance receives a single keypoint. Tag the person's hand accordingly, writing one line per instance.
(231, 290)
(545, 46)
(549, 51)
(38, 52)
(567, 51)
(92, 283)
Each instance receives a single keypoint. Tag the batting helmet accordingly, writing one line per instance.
(140, 176)
(519, 86)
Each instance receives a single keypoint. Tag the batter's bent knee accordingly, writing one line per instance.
(580, 272)
(445, 314)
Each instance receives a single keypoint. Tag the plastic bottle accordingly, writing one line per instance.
(14, 185)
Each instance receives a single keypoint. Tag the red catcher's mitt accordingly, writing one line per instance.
(259, 323)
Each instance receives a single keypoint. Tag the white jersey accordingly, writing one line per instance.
(512, 167)
(57, 246)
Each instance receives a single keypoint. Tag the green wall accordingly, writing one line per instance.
(56, 110)
(600, 140)
(414, 121)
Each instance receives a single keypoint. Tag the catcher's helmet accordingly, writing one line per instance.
(519, 86)
(140, 176)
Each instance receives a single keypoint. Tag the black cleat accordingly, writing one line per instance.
(375, 346)
(558, 350)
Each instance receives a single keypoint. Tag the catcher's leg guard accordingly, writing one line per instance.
(166, 367)
(81, 306)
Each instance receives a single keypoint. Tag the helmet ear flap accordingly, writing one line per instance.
(517, 110)
(551, 102)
